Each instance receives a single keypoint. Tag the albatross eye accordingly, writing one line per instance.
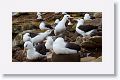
(26, 45)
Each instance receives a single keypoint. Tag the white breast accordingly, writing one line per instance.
(32, 54)
(42, 26)
(60, 27)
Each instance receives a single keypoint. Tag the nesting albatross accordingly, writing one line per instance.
(44, 26)
(85, 30)
(62, 47)
(49, 43)
(39, 16)
(33, 53)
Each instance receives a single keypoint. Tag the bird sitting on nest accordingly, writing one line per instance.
(34, 52)
(39, 16)
(36, 38)
(88, 17)
(85, 30)
(60, 27)
(44, 26)
(49, 43)
(62, 47)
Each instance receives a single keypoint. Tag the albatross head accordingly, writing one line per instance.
(86, 16)
(38, 13)
(26, 37)
(67, 17)
(28, 45)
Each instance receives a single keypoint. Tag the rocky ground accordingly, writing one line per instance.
(26, 22)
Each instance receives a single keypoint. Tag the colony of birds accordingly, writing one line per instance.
(59, 37)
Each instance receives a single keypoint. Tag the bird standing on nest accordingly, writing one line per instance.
(60, 27)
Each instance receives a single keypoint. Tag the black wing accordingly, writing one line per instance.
(48, 26)
(73, 46)
(40, 48)
(87, 28)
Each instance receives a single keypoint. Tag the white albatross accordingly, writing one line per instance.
(36, 39)
(61, 25)
(31, 51)
(39, 15)
(49, 43)
(84, 30)
(87, 16)
(44, 26)
(62, 47)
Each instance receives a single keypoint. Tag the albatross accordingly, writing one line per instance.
(39, 15)
(44, 26)
(62, 47)
(33, 52)
(87, 16)
(84, 30)
(36, 38)
(60, 27)
(49, 42)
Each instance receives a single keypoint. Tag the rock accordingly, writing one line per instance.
(19, 56)
(94, 22)
(69, 36)
(66, 57)
(97, 15)
(99, 59)
(17, 41)
(97, 39)
(79, 40)
(49, 57)
(88, 44)
(93, 42)
(40, 59)
(17, 28)
(87, 59)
